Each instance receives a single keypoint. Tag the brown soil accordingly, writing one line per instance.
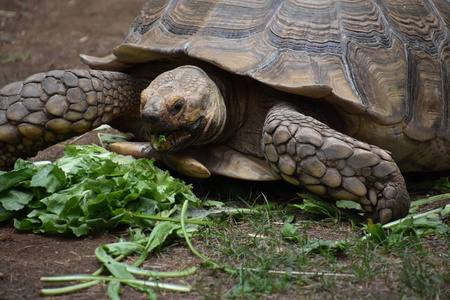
(40, 35)
(37, 36)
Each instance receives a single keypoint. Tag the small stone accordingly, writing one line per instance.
(362, 159)
(281, 135)
(313, 166)
(354, 186)
(332, 178)
(287, 165)
(384, 169)
(335, 149)
(271, 153)
(16, 112)
(308, 135)
(30, 131)
(57, 105)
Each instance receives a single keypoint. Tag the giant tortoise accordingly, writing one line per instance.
(306, 91)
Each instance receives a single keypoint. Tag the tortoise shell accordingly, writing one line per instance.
(385, 61)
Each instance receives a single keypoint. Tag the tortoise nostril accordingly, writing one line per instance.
(149, 117)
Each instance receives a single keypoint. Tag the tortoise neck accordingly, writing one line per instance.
(233, 90)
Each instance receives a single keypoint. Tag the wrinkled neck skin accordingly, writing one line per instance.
(229, 115)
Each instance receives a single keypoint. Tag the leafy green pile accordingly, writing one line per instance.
(89, 189)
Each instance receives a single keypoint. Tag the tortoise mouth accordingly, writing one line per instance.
(176, 139)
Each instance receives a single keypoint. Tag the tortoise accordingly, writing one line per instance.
(338, 97)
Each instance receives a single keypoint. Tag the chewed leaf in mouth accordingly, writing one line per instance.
(170, 142)
(161, 138)
(177, 139)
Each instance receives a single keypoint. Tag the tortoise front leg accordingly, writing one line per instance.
(307, 152)
(47, 108)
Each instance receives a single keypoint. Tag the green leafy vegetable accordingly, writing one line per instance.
(89, 188)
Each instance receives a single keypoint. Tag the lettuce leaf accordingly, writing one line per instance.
(88, 189)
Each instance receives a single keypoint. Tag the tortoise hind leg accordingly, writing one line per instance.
(307, 152)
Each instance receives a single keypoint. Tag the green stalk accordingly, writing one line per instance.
(188, 241)
(159, 218)
(145, 283)
(415, 204)
(159, 274)
(76, 287)
(416, 216)
(104, 258)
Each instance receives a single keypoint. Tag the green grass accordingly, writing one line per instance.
(277, 252)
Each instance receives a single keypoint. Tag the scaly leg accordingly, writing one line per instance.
(307, 152)
(47, 108)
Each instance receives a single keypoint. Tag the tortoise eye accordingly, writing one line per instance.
(177, 107)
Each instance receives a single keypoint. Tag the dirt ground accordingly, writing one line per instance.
(37, 36)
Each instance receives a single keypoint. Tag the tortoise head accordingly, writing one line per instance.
(182, 107)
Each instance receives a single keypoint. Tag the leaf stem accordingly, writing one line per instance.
(188, 241)
(159, 218)
(145, 283)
